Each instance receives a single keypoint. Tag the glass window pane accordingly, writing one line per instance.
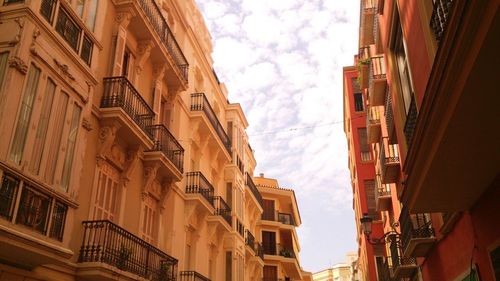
(24, 118)
(91, 14)
(43, 123)
(68, 161)
(56, 138)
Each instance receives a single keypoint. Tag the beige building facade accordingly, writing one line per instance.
(121, 157)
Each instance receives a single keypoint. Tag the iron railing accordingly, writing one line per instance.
(285, 218)
(414, 226)
(106, 242)
(156, 19)
(397, 258)
(259, 250)
(250, 240)
(199, 102)
(286, 251)
(440, 16)
(119, 92)
(197, 183)
(165, 142)
(389, 154)
(192, 276)
(254, 190)
(377, 68)
(240, 228)
(389, 115)
(411, 121)
(373, 116)
(222, 209)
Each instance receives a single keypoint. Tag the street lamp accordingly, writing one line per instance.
(366, 226)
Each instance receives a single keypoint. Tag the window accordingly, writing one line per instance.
(8, 191)
(43, 123)
(269, 213)
(36, 210)
(364, 147)
(86, 53)
(370, 199)
(3, 67)
(91, 14)
(55, 141)
(106, 199)
(6, 2)
(358, 102)
(269, 242)
(47, 9)
(33, 209)
(68, 29)
(229, 266)
(149, 220)
(25, 112)
(70, 147)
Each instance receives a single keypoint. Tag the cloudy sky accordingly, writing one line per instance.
(282, 60)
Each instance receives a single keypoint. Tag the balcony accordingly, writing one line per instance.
(383, 195)
(402, 267)
(36, 213)
(250, 240)
(368, 14)
(439, 18)
(389, 116)
(167, 151)
(373, 130)
(192, 276)
(222, 209)
(285, 218)
(150, 18)
(122, 103)
(363, 73)
(286, 255)
(384, 272)
(389, 161)
(378, 82)
(411, 121)
(417, 233)
(199, 188)
(199, 103)
(106, 243)
(253, 190)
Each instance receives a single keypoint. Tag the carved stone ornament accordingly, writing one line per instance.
(64, 69)
(18, 63)
(35, 35)
(17, 38)
(150, 176)
(107, 136)
(86, 124)
(123, 18)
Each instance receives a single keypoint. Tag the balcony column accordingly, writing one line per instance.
(122, 19)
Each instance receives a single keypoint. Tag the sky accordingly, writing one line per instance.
(282, 61)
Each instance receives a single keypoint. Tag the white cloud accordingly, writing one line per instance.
(282, 60)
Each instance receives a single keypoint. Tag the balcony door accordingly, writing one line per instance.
(270, 273)
(269, 242)
(269, 210)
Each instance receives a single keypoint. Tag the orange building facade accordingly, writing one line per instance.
(121, 157)
(427, 87)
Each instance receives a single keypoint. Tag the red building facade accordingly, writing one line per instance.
(428, 69)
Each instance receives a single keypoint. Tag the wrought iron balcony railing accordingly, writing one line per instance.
(389, 116)
(389, 160)
(197, 183)
(414, 226)
(401, 266)
(36, 210)
(250, 239)
(440, 16)
(156, 19)
(411, 121)
(119, 92)
(222, 209)
(254, 190)
(273, 249)
(240, 228)
(259, 250)
(192, 276)
(286, 218)
(165, 142)
(106, 242)
(199, 102)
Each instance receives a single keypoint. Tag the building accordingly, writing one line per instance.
(427, 87)
(280, 243)
(339, 272)
(121, 156)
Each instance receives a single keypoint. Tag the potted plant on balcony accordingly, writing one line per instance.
(165, 273)
(287, 253)
(363, 72)
(123, 256)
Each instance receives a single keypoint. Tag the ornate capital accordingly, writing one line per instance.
(150, 173)
(107, 136)
(123, 18)
(18, 63)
